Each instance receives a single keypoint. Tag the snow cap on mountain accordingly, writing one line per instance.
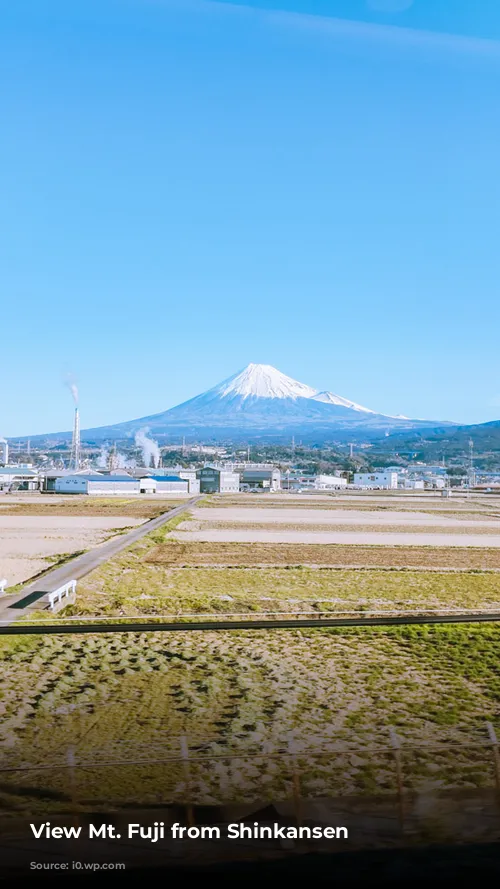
(331, 398)
(263, 381)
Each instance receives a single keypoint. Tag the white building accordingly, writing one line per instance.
(188, 475)
(413, 484)
(163, 484)
(50, 476)
(147, 486)
(17, 478)
(385, 480)
(4, 451)
(329, 482)
(101, 485)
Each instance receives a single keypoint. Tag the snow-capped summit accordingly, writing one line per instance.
(260, 401)
(263, 381)
(331, 398)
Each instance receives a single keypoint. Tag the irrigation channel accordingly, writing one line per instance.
(153, 625)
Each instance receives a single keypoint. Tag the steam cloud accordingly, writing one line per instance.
(120, 460)
(73, 388)
(150, 450)
(102, 461)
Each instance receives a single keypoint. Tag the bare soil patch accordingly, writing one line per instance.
(338, 517)
(89, 506)
(30, 544)
(460, 528)
(268, 554)
(351, 537)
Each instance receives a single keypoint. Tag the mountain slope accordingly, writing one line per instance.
(260, 400)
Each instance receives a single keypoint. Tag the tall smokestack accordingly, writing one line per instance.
(75, 444)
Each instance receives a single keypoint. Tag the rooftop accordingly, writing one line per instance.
(95, 477)
(16, 470)
(165, 478)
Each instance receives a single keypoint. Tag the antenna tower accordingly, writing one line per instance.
(75, 443)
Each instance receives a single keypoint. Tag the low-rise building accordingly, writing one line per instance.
(265, 479)
(163, 484)
(218, 481)
(50, 477)
(93, 483)
(385, 480)
(16, 478)
(188, 475)
(413, 484)
(329, 482)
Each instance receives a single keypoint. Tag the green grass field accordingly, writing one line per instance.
(133, 696)
(129, 585)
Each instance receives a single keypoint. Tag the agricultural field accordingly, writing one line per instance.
(234, 694)
(53, 505)
(161, 575)
(119, 589)
(38, 533)
(245, 697)
(360, 501)
(253, 524)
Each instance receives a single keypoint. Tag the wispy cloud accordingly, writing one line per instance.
(358, 30)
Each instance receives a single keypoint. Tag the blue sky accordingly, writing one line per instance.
(190, 186)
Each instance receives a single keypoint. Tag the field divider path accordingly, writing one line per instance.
(19, 605)
(153, 626)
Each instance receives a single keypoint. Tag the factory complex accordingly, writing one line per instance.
(213, 478)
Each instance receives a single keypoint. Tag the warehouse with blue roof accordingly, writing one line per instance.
(97, 484)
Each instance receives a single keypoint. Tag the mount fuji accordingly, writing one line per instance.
(261, 402)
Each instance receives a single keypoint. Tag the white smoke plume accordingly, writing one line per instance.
(149, 448)
(123, 462)
(73, 388)
(102, 460)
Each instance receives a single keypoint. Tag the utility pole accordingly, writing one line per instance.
(472, 480)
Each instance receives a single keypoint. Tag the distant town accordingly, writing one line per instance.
(145, 468)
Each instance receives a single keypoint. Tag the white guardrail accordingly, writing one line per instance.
(61, 593)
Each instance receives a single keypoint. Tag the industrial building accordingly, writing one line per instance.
(50, 477)
(385, 480)
(218, 481)
(4, 451)
(18, 478)
(163, 484)
(265, 478)
(329, 482)
(93, 483)
(188, 475)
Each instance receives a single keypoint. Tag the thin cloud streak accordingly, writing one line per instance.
(357, 30)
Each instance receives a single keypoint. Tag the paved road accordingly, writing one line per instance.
(160, 627)
(14, 607)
